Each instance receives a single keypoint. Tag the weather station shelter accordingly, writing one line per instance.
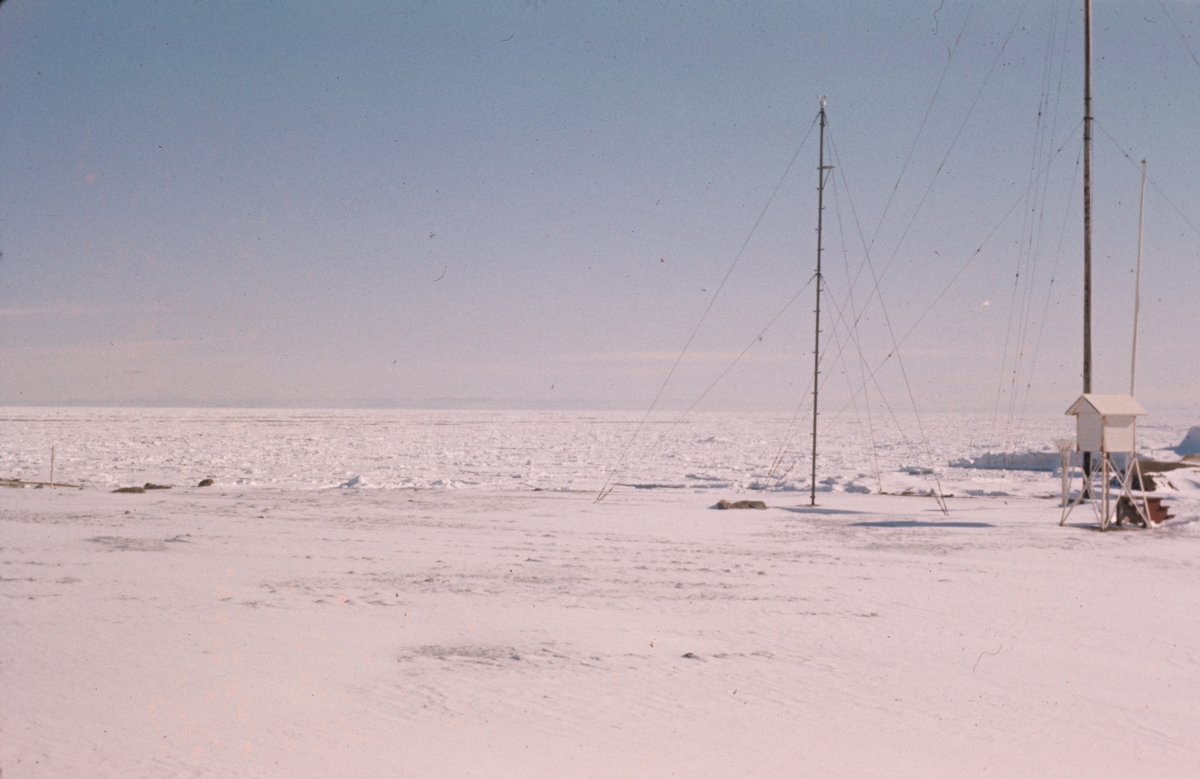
(1106, 423)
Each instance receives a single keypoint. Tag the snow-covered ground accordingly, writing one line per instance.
(469, 610)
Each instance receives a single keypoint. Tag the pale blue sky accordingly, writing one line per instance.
(531, 204)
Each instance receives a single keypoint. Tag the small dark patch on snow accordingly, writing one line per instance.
(741, 504)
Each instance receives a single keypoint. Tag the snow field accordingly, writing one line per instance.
(467, 608)
(263, 632)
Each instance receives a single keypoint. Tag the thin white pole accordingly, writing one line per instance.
(1104, 476)
(1137, 294)
(51, 467)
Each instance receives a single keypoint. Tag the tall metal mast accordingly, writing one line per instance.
(1087, 196)
(821, 168)
(1087, 221)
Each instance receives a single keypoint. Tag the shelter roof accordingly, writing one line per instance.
(1108, 405)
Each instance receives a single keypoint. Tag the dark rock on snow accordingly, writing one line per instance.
(741, 504)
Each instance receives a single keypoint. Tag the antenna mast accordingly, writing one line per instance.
(821, 168)
(1087, 197)
(1087, 222)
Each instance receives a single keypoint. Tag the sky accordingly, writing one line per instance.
(540, 204)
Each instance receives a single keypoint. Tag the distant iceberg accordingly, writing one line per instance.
(1012, 461)
(1190, 444)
